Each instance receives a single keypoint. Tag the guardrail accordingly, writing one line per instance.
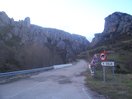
(8, 74)
(61, 66)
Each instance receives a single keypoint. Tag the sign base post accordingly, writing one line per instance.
(104, 72)
(108, 64)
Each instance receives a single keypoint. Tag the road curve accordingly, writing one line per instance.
(64, 83)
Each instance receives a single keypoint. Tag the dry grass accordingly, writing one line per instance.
(118, 88)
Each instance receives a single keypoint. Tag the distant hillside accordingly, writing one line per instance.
(24, 45)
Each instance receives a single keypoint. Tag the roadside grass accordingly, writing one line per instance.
(117, 87)
(122, 61)
(121, 86)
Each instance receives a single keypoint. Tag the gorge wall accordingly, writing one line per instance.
(118, 26)
(24, 45)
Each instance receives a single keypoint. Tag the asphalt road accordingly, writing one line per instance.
(64, 83)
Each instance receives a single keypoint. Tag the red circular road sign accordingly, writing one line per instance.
(103, 56)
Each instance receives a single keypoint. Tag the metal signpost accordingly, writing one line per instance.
(105, 64)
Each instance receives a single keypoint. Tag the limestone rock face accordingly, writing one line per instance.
(4, 19)
(119, 23)
(27, 21)
(62, 45)
(117, 26)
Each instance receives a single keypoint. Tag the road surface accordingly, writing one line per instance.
(64, 83)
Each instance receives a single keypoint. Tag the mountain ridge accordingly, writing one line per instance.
(34, 46)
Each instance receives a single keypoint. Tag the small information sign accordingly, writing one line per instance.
(108, 63)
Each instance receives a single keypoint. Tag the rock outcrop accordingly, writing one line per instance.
(118, 23)
(117, 26)
(4, 19)
(35, 46)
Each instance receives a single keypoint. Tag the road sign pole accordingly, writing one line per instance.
(113, 72)
(104, 74)
(105, 64)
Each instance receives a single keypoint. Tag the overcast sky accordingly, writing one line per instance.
(84, 17)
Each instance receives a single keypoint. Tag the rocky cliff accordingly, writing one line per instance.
(118, 26)
(24, 45)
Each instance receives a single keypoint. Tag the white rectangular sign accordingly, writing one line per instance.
(108, 63)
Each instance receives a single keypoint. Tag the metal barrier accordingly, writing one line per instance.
(7, 74)
(25, 71)
(61, 66)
